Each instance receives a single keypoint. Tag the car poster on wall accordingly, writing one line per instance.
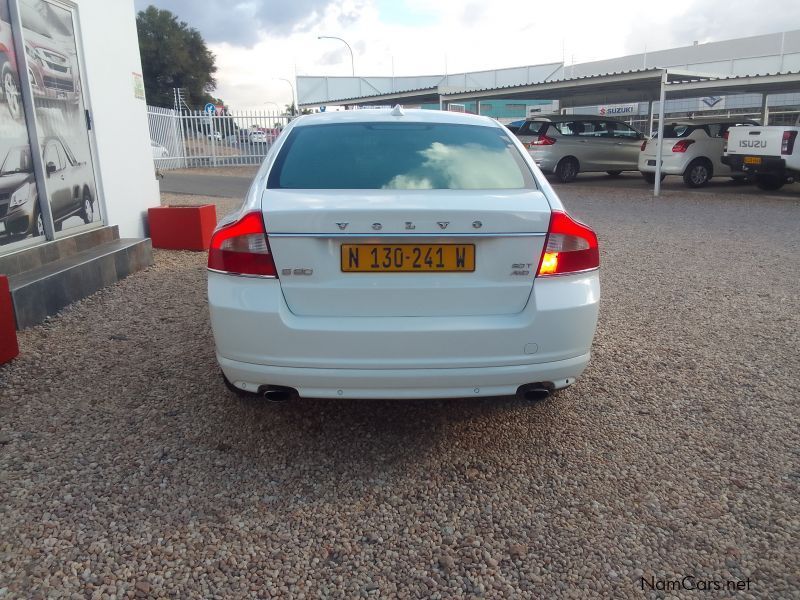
(51, 56)
(20, 216)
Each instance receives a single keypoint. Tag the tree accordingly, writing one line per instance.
(174, 55)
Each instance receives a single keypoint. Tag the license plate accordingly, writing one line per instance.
(407, 258)
(752, 160)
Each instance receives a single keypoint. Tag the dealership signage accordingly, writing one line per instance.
(618, 110)
(712, 103)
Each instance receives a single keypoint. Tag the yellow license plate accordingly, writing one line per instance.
(752, 160)
(407, 258)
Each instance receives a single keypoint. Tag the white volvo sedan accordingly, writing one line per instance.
(401, 254)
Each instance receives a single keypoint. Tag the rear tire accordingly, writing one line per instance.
(614, 173)
(10, 91)
(698, 173)
(567, 169)
(87, 213)
(651, 177)
(770, 183)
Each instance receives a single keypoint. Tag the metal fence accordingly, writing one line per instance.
(186, 139)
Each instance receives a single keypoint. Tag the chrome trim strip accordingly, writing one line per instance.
(416, 234)
(241, 274)
(537, 276)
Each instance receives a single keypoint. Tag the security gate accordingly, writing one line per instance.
(189, 138)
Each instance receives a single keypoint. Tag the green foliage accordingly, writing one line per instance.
(174, 55)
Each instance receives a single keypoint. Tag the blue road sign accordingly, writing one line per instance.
(210, 108)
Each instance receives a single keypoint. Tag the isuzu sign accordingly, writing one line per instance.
(615, 110)
(752, 143)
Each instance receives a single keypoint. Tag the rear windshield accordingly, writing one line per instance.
(531, 128)
(714, 130)
(402, 156)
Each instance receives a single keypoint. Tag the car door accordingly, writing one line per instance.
(57, 184)
(626, 146)
(593, 145)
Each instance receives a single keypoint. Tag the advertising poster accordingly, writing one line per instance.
(51, 56)
(20, 217)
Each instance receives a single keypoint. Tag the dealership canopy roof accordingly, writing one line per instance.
(642, 85)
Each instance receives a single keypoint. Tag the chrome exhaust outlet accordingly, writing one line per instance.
(533, 391)
(276, 394)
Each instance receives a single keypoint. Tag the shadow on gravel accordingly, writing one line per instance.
(366, 435)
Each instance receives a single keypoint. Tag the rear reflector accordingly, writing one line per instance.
(571, 247)
(682, 145)
(242, 248)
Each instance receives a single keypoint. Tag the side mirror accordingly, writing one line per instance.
(51, 168)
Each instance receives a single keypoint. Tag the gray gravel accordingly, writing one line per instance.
(127, 469)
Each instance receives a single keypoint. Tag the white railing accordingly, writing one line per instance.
(186, 139)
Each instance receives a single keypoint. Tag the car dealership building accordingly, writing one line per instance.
(76, 171)
(487, 91)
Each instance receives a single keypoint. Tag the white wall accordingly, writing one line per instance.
(124, 158)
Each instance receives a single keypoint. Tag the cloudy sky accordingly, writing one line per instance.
(257, 41)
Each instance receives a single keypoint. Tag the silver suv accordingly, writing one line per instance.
(570, 144)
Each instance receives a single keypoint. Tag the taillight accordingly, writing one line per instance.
(787, 144)
(725, 142)
(242, 248)
(682, 145)
(570, 247)
(543, 140)
(644, 145)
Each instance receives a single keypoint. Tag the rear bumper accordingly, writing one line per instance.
(404, 383)
(546, 160)
(669, 164)
(261, 342)
(773, 165)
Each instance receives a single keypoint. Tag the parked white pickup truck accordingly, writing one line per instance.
(769, 155)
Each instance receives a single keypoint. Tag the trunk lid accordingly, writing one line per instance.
(757, 141)
(307, 228)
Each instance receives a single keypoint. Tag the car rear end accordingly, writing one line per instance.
(762, 150)
(405, 256)
(677, 150)
(539, 138)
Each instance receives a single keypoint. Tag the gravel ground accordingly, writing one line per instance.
(128, 470)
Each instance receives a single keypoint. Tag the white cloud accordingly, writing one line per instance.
(419, 37)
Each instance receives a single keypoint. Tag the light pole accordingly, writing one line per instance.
(352, 62)
(291, 85)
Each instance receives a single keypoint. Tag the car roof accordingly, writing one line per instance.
(710, 121)
(562, 118)
(378, 115)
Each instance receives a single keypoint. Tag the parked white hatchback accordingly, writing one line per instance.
(691, 148)
(401, 254)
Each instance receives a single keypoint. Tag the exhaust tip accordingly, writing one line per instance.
(534, 392)
(277, 393)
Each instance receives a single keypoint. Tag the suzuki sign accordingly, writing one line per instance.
(618, 110)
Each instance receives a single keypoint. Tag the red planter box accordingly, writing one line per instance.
(182, 227)
(8, 327)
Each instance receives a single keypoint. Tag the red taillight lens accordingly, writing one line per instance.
(543, 140)
(570, 247)
(242, 248)
(644, 145)
(725, 135)
(682, 145)
(787, 144)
